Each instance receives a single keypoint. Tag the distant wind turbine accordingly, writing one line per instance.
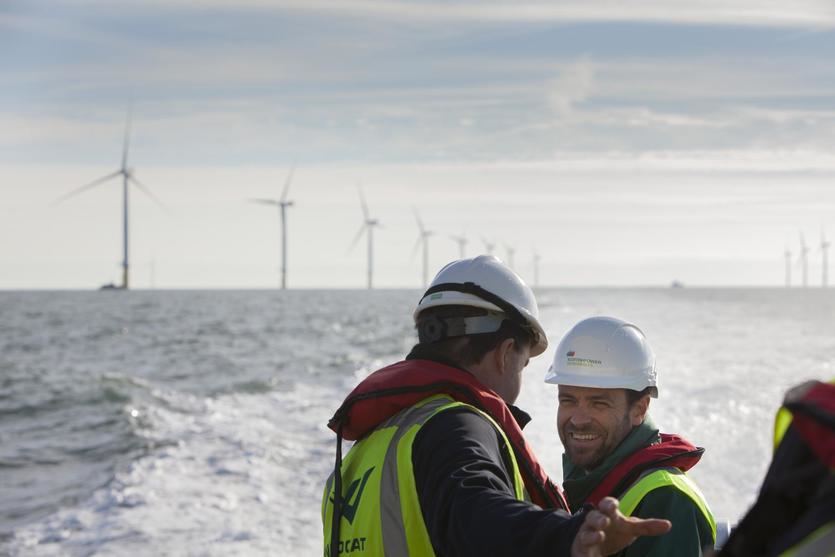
(127, 176)
(511, 252)
(489, 246)
(423, 238)
(824, 248)
(803, 259)
(788, 256)
(282, 203)
(462, 244)
(536, 260)
(367, 226)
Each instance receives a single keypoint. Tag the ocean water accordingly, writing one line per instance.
(193, 423)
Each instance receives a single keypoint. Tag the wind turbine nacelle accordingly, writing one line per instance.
(372, 222)
(287, 203)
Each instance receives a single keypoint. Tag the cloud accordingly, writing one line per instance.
(573, 86)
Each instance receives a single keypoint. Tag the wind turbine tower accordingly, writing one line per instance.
(536, 260)
(462, 244)
(804, 261)
(825, 254)
(489, 246)
(282, 203)
(367, 227)
(511, 252)
(788, 256)
(423, 238)
(127, 178)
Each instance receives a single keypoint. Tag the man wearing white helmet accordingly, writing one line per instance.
(605, 369)
(440, 466)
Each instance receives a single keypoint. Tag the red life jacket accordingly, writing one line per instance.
(672, 452)
(387, 391)
(814, 418)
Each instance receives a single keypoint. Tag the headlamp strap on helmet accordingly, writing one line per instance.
(472, 288)
(433, 328)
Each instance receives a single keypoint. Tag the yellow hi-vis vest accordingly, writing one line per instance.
(664, 477)
(381, 512)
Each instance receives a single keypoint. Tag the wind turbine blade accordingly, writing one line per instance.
(362, 202)
(85, 187)
(419, 222)
(144, 189)
(287, 183)
(266, 201)
(126, 144)
(357, 237)
(417, 245)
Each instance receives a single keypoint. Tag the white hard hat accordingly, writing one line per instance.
(485, 282)
(606, 353)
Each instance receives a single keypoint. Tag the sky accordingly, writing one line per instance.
(625, 144)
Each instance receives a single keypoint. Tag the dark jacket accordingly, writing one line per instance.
(643, 450)
(796, 502)
(461, 464)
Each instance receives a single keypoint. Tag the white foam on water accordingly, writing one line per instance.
(244, 478)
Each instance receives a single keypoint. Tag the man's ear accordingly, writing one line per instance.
(503, 354)
(638, 411)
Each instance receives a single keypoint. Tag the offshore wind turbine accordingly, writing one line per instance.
(511, 252)
(824, 248)
(423, 238)
(788, 256)
(282, 203)
(489, 246)
(536, 260)
(367, 226)
(803, 259)
(462, 244)
(127, 177)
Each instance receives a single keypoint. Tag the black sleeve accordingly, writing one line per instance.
(466, 494)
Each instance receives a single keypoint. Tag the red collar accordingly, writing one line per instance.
(673, 451)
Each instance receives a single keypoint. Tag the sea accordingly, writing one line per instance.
(194, 422)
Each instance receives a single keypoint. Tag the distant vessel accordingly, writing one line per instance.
(111, 286)
(677, 284)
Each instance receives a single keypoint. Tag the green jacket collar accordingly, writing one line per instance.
(579, 483)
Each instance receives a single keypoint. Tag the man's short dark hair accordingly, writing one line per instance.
(634, 396)
(467, 350)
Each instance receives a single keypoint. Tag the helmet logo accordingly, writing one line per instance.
(582, 362)
(436, 296)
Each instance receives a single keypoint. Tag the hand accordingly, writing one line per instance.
(606, 531)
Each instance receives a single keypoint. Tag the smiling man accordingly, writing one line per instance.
(605, 370)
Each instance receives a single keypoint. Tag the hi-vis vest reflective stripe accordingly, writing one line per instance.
(662, 478)
(380, 510)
